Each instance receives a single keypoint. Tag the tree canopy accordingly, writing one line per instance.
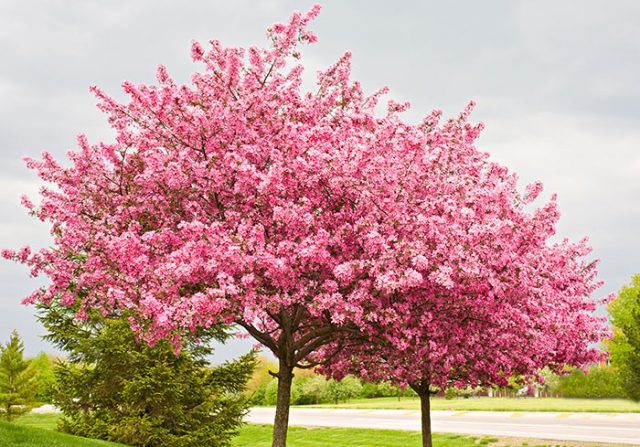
(625, 345)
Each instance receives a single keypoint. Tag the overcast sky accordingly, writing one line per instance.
(557, 84)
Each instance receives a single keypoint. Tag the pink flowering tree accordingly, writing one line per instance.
(471, 291)
(237, 199)
(477, 292)
(324, 230)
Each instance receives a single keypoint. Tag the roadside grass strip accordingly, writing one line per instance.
(546, 404)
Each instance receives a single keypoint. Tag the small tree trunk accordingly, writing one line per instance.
(283, 402)
(422, 390)
(425, 416)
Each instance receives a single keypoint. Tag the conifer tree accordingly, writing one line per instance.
(116, 387)
(16, 379)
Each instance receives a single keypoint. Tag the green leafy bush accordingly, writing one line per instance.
(625, 344)
(466, 393)
(342, 390)
(311, 390)
(599, 382)
(44, 377)
(271, 392)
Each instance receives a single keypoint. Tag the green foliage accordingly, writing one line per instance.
(452, 392)
(118, 388)
(258, 396)
(342, 390)
(310, 390)
(625, 345)
(369, 390)
(271, 392)
(44, 377)
(313, 389)
(599, 382)
(17, 386)
(261, 376)
(385, 389)
(388, 389)
(551, 380)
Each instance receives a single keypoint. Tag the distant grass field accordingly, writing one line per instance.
(497, 404)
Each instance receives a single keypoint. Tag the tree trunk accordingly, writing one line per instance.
(422, 390)
(425, 416)
(281, 422)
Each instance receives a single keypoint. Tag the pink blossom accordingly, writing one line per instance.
(344, 272)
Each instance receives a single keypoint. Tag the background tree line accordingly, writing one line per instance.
(599, 381)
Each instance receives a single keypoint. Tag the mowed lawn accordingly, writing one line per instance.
(37, 430)
(497, 404)
(15, 434)
(48, 421)
(260, 436)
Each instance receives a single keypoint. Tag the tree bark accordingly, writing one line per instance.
(425, 416)
(281, 422)
(422, 389)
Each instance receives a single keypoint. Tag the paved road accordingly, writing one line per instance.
(618, 428)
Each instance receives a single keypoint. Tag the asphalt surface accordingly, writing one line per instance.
(620, 428)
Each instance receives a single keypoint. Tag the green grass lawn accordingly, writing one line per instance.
(497, 404)
(37, 430)
(47, 421)
(260, 436)
(18, 435)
